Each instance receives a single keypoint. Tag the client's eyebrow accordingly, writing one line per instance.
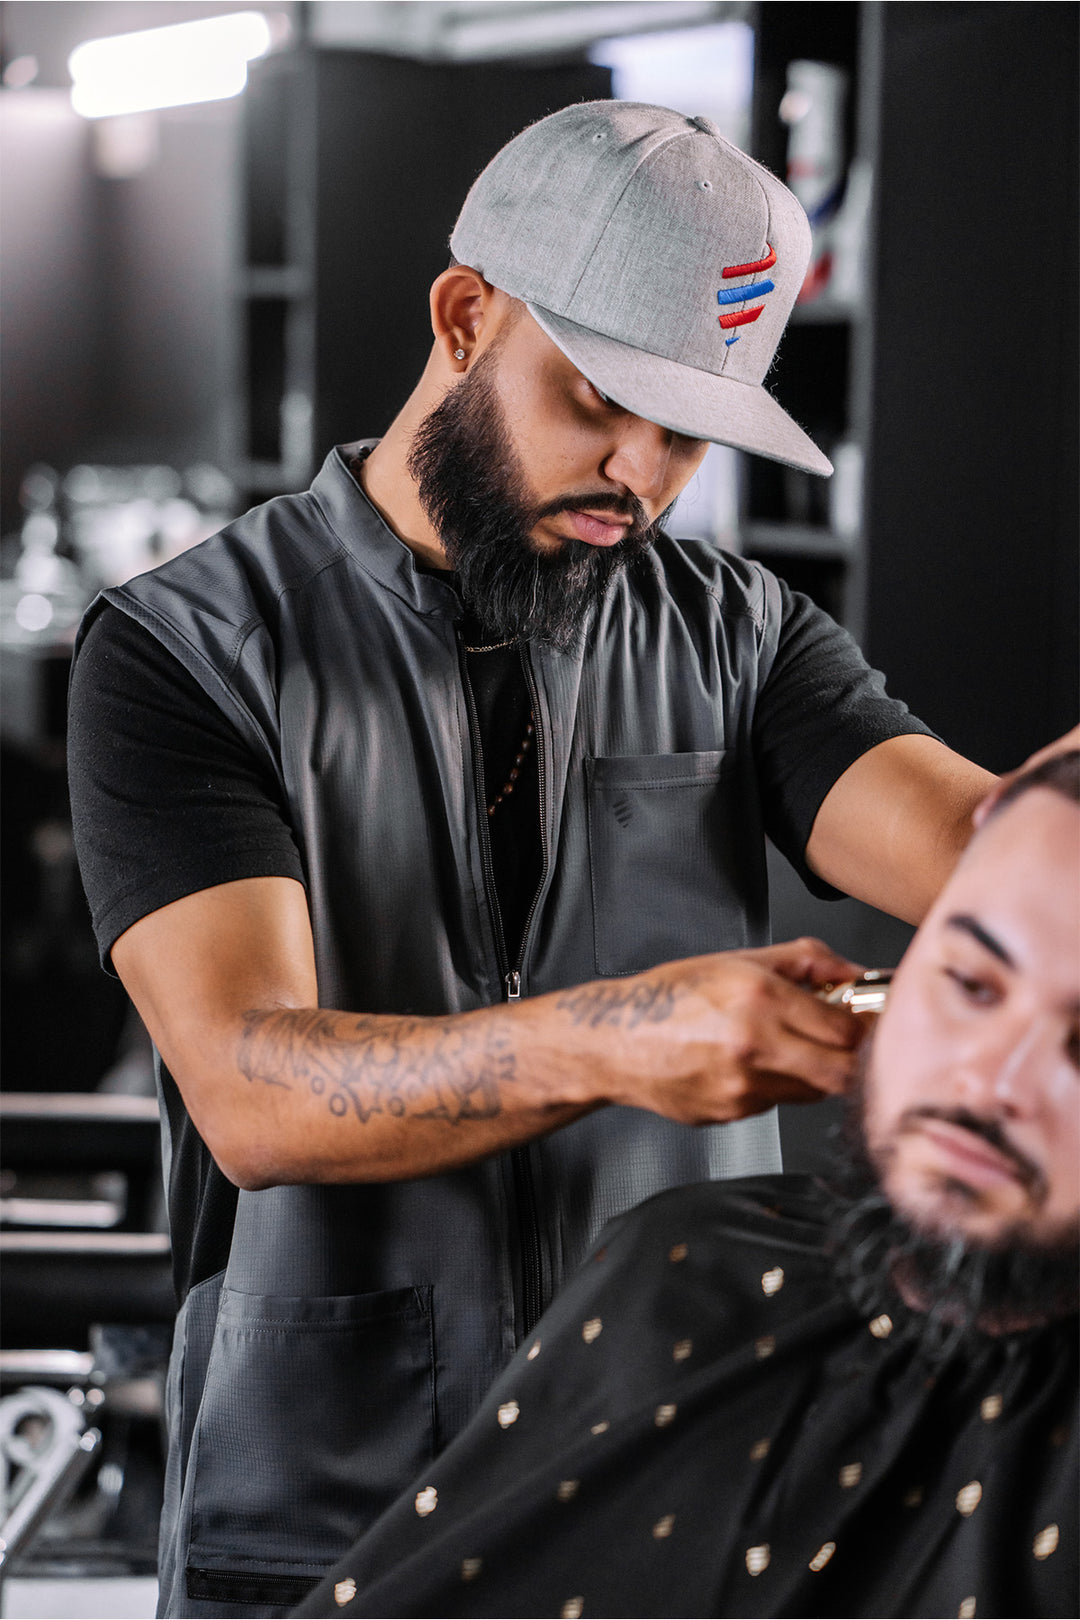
(970, 925)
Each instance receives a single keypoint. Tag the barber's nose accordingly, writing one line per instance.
(641, 458)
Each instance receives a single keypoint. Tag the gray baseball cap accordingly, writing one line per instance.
(661, 260)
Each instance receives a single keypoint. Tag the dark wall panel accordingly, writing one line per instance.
(973, 499)
(116, 292)
(168, 256)
(50, 282)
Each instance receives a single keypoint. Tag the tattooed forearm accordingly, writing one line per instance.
(362, 1065)
(621, 1005)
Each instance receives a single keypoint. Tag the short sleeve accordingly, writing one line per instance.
(820, 709)
(166, 797)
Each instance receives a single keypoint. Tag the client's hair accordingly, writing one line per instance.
(1061, 773)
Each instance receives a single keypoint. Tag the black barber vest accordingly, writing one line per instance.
(356, 1328)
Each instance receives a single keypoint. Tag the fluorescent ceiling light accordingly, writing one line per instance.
(167, 67)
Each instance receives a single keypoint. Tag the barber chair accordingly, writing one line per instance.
(88, 1306)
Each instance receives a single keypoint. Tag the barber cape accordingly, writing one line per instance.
(702, 1424)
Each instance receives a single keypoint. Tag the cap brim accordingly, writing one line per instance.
(682, 398)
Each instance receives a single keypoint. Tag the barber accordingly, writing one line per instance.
(423, 817)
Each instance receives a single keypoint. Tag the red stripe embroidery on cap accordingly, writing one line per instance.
(742, 317)
(751, 269)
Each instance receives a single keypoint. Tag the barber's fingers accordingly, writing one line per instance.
(804, 1060)
(817, 1021)
(806, 961)
(754, 1000)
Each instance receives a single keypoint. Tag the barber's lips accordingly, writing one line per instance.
(969, 1158)
(597, 531)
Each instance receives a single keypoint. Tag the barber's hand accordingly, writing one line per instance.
(720, 1037)
(1062, 745)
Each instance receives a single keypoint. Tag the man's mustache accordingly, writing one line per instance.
(623, 506)
(992, 1132)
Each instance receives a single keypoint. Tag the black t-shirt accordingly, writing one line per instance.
(168, 800)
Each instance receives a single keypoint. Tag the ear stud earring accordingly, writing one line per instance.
(459, 354)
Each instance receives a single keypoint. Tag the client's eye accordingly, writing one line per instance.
(980, 992)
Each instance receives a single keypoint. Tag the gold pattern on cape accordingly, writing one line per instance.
(1046, 1542)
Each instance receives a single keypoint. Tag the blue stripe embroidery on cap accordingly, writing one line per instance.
(739, 295)
(735, 295)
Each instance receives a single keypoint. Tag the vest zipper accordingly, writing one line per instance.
(513, 978)
(532, 1260)
(528, 1218)
(485, 837)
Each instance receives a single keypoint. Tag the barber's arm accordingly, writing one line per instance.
(283, 1091)
(893, 826)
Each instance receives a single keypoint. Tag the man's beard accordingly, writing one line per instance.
(966, 1290)
(473, 489)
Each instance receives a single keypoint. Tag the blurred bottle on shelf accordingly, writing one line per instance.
(814, 108)
(849, 236)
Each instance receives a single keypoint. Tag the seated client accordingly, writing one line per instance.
(769, 1398)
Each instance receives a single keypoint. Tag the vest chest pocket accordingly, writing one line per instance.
(315, 1414)
(675, 859)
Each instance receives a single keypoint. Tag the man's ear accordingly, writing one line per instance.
(463, 307)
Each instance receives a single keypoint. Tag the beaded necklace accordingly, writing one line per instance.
(526, 741)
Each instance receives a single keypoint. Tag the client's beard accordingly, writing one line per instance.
(966, 1290)
(473, 489)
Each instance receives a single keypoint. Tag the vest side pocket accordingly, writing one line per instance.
(315, 1414)
(672, 861)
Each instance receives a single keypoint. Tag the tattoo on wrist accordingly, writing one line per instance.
(364, 1065)
(622, 1006)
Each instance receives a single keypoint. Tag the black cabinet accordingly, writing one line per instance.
(951, 377)
(971, 499)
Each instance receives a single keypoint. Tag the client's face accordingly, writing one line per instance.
(972, 1089)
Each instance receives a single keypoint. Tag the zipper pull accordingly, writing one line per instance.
(513, 986)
